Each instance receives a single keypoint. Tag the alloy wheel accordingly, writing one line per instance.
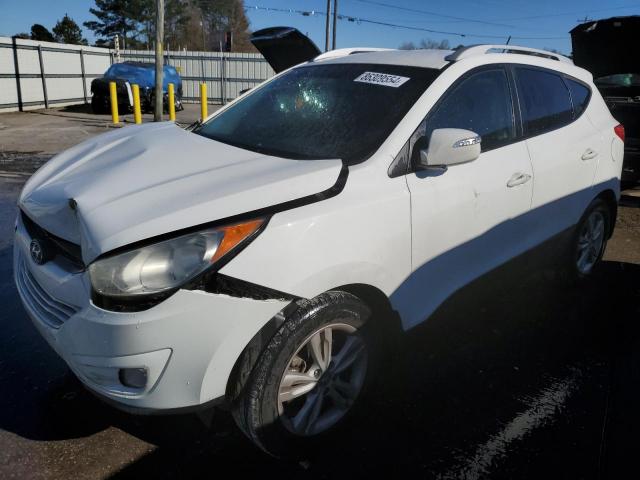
(322, 380)
(590, 242)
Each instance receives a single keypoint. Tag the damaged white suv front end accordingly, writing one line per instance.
(135, 308)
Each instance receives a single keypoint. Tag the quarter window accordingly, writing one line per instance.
(544, 99)
(579, 95)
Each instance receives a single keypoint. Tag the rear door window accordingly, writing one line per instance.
(579, 95)
(544, 99)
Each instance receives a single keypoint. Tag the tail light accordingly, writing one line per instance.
(619, 131)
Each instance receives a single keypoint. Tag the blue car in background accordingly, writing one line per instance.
(129, 73)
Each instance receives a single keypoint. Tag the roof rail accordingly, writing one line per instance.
(472, 50)
(343, 52)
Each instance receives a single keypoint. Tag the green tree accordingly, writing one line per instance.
(222, 16)
(176, 20)
(40, 32)
(68, 31)
(187, 23)
(116, 17)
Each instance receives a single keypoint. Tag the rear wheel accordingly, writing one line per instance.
(99, 104)
(309, 377)
(590, 239)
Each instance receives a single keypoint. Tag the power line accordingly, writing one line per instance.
(581, 12)
(426, 12)
(530, 17)
(359, 20)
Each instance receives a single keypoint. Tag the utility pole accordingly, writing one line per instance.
(335, 21)
(326, 41)
(204, 43)
(157, 114)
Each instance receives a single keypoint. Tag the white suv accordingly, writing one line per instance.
(254, 260)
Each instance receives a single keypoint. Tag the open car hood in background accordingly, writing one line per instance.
(606, 47)
(284, 47)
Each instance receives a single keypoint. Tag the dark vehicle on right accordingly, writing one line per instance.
(605, 48)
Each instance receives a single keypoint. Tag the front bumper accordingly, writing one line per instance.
(187, 344)
(100, 88)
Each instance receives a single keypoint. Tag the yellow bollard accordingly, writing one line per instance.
(114, 102)
(137, 113)
(203, 101)
(172, 103)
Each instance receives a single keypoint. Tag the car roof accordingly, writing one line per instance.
(413, 58)
(438, 59)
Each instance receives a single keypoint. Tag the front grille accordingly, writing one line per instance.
(69, 250)
(50, 310)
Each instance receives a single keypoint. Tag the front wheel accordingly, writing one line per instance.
(309, 377)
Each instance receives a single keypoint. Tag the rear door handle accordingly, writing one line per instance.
(518, 179)
(589, 153)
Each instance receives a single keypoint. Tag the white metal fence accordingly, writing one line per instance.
(43, 74)
(226, 74)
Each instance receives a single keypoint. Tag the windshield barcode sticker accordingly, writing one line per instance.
(382, 79)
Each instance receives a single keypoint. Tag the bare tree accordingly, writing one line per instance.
(426, 43)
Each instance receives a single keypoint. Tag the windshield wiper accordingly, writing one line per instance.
(193, 126)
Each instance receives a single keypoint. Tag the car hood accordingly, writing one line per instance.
(138, 182)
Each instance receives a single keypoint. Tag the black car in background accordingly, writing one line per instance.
(609, 50)
(126, 74)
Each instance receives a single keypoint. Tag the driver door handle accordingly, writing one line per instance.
(589, 153)
(518, 179)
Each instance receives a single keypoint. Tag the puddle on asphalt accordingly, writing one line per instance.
(21, 163)
(541, 411)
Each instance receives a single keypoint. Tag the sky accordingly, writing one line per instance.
(533, 23)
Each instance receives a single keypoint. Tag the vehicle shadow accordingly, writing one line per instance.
(468, 393)
(517, 375)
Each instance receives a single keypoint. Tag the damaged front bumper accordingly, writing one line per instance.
(184, 348)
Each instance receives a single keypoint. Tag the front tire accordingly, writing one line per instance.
(308, 378)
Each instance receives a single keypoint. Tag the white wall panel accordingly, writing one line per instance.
(95, 64)
(224, 82)
(8, 91)
(28, 61)
(61, 62)
(6, 60)
(63, 88)
(31, 90)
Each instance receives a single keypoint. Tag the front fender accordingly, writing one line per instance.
(362, 235)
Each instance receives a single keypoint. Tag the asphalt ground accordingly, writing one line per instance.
(519, 375)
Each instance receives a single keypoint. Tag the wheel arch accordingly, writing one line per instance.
(386, 320)
(609, 197)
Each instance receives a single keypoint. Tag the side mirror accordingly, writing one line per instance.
(450, 146)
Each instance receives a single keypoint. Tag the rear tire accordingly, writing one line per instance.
(99, 105)
(589, 240)
(309, 377)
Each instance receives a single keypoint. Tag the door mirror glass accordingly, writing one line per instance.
(450, 146)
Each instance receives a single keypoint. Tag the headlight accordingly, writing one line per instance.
(168, 264)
